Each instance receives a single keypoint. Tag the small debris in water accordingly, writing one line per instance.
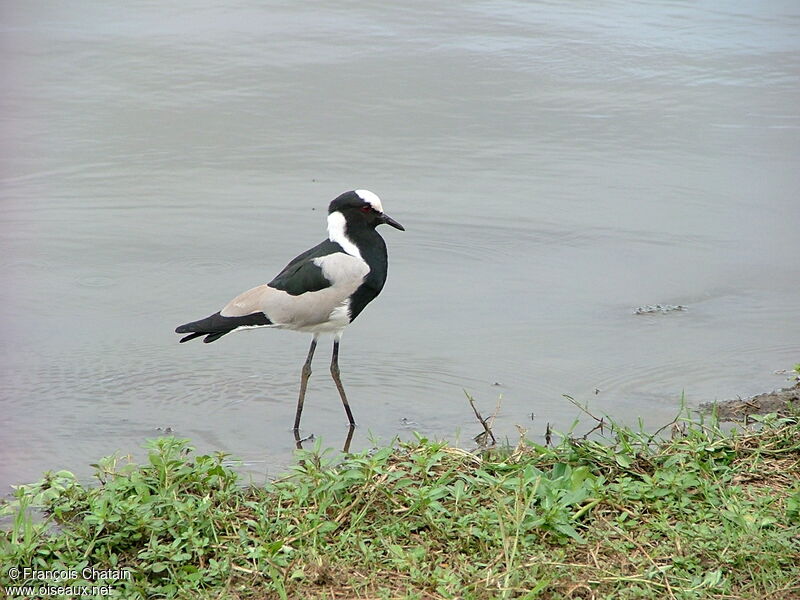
(497, 383)
(166, 430)
(658, 308)
(794, 374)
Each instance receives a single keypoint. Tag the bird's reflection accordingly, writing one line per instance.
(299, 441)
(350, 431)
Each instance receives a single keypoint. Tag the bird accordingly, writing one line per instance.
(320, 291)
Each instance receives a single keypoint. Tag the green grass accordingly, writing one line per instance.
(704, 514)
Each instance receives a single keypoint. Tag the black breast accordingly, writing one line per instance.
(373, 251)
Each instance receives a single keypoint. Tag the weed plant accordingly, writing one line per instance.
(701, 514)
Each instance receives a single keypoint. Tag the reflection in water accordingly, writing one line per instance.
(557, 166)
(299, 441)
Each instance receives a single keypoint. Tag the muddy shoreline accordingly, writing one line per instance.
(785, 401)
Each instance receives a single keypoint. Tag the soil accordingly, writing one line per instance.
(784, 402)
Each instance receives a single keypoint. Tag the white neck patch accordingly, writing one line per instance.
(336, 233)
(372, 198)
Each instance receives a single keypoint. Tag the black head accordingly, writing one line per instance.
(362, 208)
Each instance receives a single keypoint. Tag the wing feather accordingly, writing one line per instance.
(302, 275)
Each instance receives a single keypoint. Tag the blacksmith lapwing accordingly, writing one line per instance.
(320, 291)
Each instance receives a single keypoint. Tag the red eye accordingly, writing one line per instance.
(366, 209)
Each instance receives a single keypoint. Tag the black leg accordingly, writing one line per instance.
(306, 373)
(338, 381)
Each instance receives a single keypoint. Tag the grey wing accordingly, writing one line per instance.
(302, 275)
(330, 280)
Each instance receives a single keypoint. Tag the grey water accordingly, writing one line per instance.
(556, 165)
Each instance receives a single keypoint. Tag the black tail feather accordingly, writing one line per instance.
(215, 326)
(191, 336)
(213, 337)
